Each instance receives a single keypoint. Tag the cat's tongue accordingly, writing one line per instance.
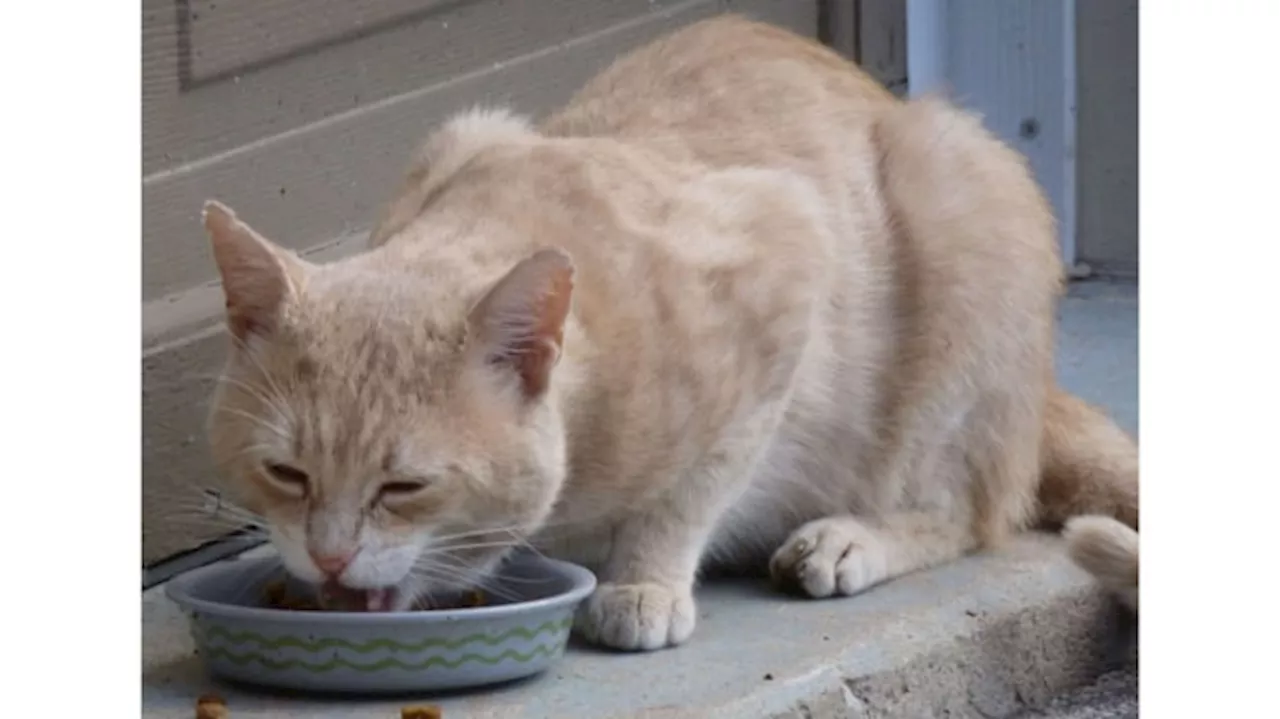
(335, 597)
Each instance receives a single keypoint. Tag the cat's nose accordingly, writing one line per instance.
(332, 564)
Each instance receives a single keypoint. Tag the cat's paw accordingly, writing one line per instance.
(826, 557)
(637, 616)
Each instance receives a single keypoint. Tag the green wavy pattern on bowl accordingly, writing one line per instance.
(539, 650)
(366, 647)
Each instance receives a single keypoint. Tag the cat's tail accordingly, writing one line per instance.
(1089, 486)
(1107, 549)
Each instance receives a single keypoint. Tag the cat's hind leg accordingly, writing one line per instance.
(844, 555)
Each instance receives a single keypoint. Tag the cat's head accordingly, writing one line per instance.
(394, 431)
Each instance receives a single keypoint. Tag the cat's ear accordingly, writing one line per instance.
(258, 278)
(518, 326)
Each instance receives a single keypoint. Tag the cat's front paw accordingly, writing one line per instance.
(638, 616)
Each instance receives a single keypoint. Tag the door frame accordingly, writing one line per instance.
(968, 50)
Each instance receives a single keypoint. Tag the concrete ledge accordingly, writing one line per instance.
(984, 637)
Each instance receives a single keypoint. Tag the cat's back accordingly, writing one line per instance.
(757, 145)
(727, 91)
(712, 186)
(728, 129)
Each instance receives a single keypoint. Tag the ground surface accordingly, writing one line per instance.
(1113, 696)
(1010, 634)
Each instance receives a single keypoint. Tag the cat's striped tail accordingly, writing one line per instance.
(1089, 486)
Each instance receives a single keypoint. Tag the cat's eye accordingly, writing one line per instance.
(289, 476)
(399, 490)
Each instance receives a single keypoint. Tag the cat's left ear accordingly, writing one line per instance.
(518, 326)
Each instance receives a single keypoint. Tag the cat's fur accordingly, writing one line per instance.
(735, 304)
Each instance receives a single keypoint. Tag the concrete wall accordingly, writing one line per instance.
(301, 114)
(1107, 134)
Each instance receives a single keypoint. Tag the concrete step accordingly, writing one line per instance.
(1113, 696)
(988, 636)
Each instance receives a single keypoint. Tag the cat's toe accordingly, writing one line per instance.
(637, 617)
(827, 557)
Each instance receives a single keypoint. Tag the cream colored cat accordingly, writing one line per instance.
(734, 305)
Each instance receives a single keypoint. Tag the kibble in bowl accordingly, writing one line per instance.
(278, 594)
(251, 624)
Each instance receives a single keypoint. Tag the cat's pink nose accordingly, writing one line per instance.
(332, 564)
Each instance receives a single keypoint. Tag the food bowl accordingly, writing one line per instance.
(521, 631)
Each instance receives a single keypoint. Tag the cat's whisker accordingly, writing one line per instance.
(257, 448)
(259, 575)
(278, 405)
(518, 530)
(247, 352)
(474, 533)
(448, 557)
(503, 578)
(207, 516)
(206, 509)
(441, 578)
(524, 543)
(461, 578)
(433, 560)
(240, 516)
(235, 529)
(223, 530)
(229, 524)
(260, 421)
(201, 519)
(274, 405)
(208, 504)
(454, 548)
(208, 499)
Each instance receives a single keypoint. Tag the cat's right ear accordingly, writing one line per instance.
(518, 326)
(258, 278)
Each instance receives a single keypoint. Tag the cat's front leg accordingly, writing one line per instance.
(645, 597)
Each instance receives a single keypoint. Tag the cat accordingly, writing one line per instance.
(734, 306)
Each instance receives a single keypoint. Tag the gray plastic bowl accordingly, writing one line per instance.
(357, 652)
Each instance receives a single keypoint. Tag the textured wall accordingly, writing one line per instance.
(1107, 134)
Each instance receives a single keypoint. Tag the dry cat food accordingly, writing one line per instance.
(211, 706)
(472, 599)
(275, 595)
(429, 711)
